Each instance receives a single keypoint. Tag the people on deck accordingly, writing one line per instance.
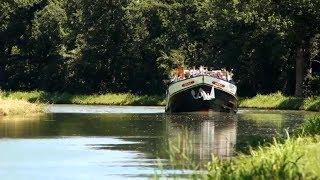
(182, 74)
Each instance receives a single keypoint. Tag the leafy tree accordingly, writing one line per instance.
(132, 45)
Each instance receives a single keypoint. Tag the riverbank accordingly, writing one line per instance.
(295, 158)
(272, 101)
(279, 101)
(19, 107)
(121, 99)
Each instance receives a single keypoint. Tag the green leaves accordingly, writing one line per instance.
(132, 45)
(48, 29)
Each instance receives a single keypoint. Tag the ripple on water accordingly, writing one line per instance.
(81, 142)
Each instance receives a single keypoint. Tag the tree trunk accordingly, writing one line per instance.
(2, 65)
(300, 66)
(302, 59)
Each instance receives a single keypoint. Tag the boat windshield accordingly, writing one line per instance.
(183, 74)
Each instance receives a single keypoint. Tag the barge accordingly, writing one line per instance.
(202, 91)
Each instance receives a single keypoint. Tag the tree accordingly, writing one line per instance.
(296, 21)
(133, 46)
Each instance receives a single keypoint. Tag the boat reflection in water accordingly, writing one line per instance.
(203, 135)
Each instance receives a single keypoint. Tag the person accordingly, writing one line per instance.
(187, 73)
(180, 73)
(173, 76)
(228, 77)
(193, 72)
(201, 69)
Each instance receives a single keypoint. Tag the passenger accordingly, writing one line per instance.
(180, 72)
(219, 74)
(187, 74)
(231, 75)
(216, 74)
(195, 73)
(205, 70)
(201, 69)
(191, 73)
(224, 77)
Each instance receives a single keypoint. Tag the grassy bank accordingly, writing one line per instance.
(18, 107)
(279, 101)
(95, 99)
(293, 158)
(272, 101)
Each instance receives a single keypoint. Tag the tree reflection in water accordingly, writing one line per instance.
(199, 136)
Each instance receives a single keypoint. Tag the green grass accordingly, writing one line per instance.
(296, 158)
(272, 101)
(293, 158)
(311, 127)
(279, 101)
(94, 99)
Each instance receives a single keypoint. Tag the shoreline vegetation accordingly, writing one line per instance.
(123, 99)
(18, 107)
(281, 102)
(295, 157)
(271, 101)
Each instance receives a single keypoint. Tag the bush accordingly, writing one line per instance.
(311, 86)
(310, 127)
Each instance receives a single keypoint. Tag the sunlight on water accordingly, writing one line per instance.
(72, 145)
(65, 108)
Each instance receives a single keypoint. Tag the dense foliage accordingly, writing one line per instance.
(89, 46)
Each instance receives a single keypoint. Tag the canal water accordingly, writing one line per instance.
(109, 142)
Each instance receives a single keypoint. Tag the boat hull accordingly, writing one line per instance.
(188, 100)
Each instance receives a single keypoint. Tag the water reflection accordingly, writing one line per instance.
(128, 145)
(256, 128)
(203, 135)
(20, 126)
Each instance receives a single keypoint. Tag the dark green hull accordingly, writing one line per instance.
(184, 101)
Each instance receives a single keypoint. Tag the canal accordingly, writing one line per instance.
(99, 142)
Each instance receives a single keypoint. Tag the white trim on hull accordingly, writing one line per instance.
(179, 89)
(206, 80)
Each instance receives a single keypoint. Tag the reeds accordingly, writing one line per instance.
(294, 158)
(277, 161)
(182, 164)
(17, 107)
(311, 127)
